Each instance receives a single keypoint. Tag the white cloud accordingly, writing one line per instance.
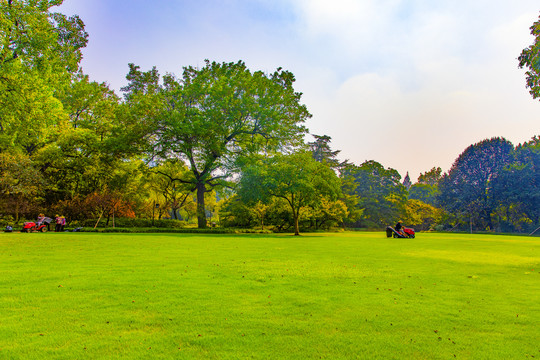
(407, 83)
(421, 81)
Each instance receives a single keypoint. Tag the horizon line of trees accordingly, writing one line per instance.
(218, 144)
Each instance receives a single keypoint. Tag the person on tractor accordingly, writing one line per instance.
(399, 228)
(40, 219)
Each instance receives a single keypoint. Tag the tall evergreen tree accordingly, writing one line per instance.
(467, 188)
(517, 188)
(322, 152)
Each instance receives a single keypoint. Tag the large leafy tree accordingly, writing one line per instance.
(39, 49)
(297, 179)
(215, 115)
(530, 59)
(380, 194)
(517, 187)
(80, 155)
(427, 187)
(345, 209)
(138, 114)
(90, 105)
(430, 177)
(466, 190)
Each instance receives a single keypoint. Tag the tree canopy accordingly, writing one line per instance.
(530, 59)
(39, 50)
(380, 193)
(214, 116)
(466, 189)
(297, 179)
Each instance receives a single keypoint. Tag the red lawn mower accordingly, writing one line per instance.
(31, 226)
(407, 233)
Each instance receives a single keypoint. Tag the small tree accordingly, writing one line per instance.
(422, 215)
(259, 212)
(298, 179)
(328, 213)
(168, 181)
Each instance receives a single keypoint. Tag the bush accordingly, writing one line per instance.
(179, 231)
(6, 220)
(134, 223)
(438, 228)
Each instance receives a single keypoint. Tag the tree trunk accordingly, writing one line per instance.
(296, 215)
(97, 222)
(16, 210)
(201, 213)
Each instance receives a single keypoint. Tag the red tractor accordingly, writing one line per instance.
(407, 232)
(31, 226)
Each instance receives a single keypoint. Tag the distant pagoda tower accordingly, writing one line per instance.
(407, 181)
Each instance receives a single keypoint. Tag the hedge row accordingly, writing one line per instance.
(131, 223)
(179, 231)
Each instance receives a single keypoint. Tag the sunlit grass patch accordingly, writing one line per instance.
(475, 257)
(335, 296)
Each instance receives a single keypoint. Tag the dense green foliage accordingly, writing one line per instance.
(530, 59)
(335, 296)
(214, 115)
(465, 190)
(38, 52)
(380, 193)
(297, 179)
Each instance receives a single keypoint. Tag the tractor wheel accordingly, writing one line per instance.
(411, 236)
(43, 229)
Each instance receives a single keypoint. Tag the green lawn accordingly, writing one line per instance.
(329, 296)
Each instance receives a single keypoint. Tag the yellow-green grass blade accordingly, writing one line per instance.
(334, 296)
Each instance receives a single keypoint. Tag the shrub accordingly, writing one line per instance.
(6, 220)
(179, 231)
(134, 223)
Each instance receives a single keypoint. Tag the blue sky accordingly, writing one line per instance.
(409, 84)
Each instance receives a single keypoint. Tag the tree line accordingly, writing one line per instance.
(219, 145)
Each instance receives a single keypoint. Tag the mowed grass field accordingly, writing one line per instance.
(330, 296)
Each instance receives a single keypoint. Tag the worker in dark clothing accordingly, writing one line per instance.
(399, 227)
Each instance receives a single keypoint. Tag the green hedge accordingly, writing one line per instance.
(131, 223)
(5, 221)
(170, 230)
